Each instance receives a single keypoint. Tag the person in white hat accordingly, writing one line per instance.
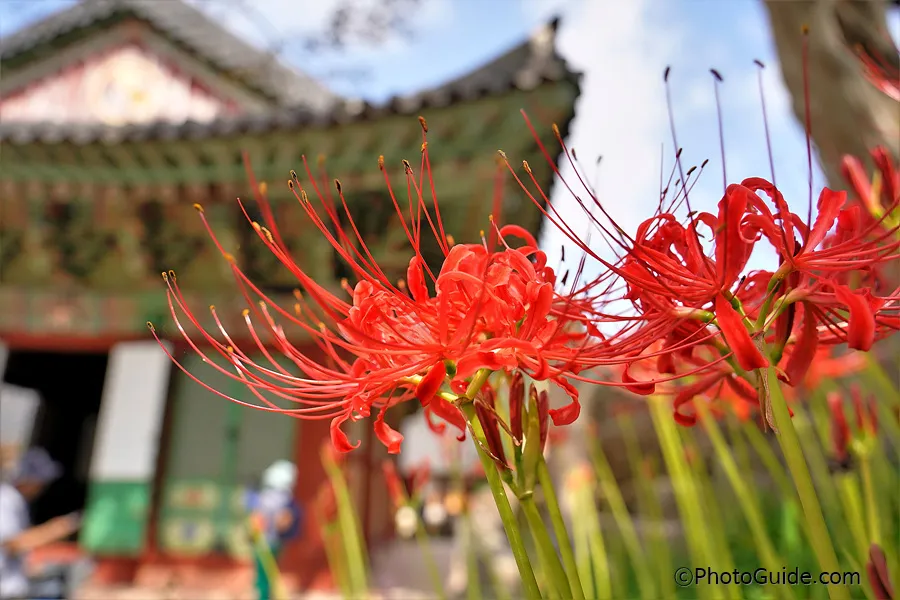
(34, 472)
(274, 510)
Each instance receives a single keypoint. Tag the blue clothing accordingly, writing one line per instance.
(269, 503)
(14, 520)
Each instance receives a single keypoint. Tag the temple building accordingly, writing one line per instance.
(116, 116)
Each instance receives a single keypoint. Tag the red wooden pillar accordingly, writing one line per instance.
(305, 557)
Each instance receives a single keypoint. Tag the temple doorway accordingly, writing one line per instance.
(69, 387)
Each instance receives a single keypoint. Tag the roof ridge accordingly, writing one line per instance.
(524, 67)
(188, 26)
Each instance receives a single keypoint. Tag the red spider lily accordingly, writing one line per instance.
(492, 308)
(878, 197)
(880, 71)
(822, 292)
(877, 572)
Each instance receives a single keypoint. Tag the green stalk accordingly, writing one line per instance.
(510, 524)
(648, 504)
(546, 550)
(559, 528)
(745, 497)
(613, 495)
(473, 580)
(881, 381)
(853, 512)
(769, 460)
(350, 529)
(793, 453)
(433, 572)
(865, 465)
(593, 560)
(683, 486)
(583, 549)
(718, 544)
(334, 553)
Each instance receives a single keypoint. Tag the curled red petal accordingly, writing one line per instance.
(804, 350)
(519, 232)
(431, 383)
(732, 251)
(339, 439)
(415, 280)
(737, 337)
(688, 393)
(568, 413)
(861, 325)
(388, 436)
(830, 204)
(637, 387)
(450, 414)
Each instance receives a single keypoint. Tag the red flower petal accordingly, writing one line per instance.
(637, 387)
(450, 414)
(568, 413)
(830, 203)
(689, 393)
(431, 383)
(737, 337)
(415, 280)
(386, 435)
(732, 251)
(804, 350)
(339, 439)
(861, 325)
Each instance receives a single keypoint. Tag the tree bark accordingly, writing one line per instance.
(849, 114)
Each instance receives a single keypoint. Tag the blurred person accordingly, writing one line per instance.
(277, 517)
(34, 472)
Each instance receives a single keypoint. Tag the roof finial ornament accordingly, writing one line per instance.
(542, 40)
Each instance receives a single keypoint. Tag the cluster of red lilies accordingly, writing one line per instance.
(698, 316)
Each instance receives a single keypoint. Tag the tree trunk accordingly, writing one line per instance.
(849, 114)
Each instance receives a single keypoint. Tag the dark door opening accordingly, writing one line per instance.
(70, 386)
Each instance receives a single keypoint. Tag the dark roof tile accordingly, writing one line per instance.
(523, 67)
(191, 28)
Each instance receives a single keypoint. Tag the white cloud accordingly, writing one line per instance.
(622, 50)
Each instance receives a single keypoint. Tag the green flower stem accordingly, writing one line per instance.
(686, 496)
(613, 495)
(865, 466)
(350, 529)
(335, 555)
(793, 454)
(706, 495)
(853, 512)
(559, 528)
(473, 580)
(557, 574)
(597, 559)
(425, 546)
(745, 497)
(881, 381)
(510, 524)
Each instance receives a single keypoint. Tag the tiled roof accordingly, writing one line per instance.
(524, 67)
(189, 27)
